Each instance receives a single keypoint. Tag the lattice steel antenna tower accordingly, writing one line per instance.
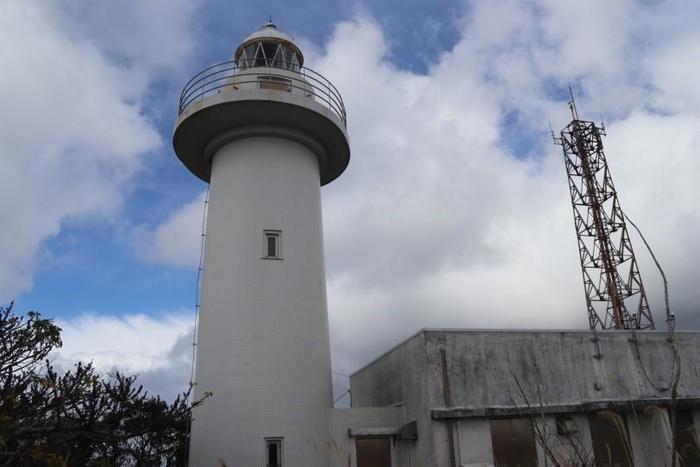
(615, 294)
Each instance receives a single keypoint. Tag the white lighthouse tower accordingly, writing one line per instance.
(266, 133)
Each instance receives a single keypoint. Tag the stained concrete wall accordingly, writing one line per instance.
(399, 377)
(473, 446)
(557, 367)
(650, 437)
(501, 373)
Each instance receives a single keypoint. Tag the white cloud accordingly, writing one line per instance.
(156, 348)
(153, 36)
(73, 131)
(177, 241)
(674, 68)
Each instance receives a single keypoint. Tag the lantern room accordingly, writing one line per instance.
(268, 47)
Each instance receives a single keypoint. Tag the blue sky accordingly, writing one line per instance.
(83, 263)
(454, 189)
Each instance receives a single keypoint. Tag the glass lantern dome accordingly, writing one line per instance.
(264, 87)
(268, 47)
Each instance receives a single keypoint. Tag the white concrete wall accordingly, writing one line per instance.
(400, 377)
(556, 367)
(263, 349)
(473, 443)
(250, 79)
(650, 437)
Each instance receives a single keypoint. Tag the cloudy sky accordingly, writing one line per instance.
(454, 211)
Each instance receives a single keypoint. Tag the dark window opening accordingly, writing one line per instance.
(250, 53)
(268, 54)
(260, 56)
(686, 439)
(280, 61)
(373, 452)
(270, 48)
(294, 62)
(272, 246)
(566, 426)
(246, 57)
(273, 447)
(513, 443)
(610, 437)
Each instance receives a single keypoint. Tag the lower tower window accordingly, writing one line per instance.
(272, 244)
(273, 452)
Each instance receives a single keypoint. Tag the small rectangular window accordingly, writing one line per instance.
(272, 245)
(275, 83)
(273, 452)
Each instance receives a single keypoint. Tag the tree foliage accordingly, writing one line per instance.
(78, 417)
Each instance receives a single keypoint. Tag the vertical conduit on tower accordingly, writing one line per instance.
(615, 295)
(198, 284)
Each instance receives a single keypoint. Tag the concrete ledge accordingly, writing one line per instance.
(224, 113)
(588, 406)
(409, 431)
(373, 432)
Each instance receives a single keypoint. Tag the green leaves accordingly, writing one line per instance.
(79, 418)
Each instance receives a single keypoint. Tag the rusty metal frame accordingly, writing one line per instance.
(615, 295)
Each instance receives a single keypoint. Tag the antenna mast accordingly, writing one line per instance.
(615, 294)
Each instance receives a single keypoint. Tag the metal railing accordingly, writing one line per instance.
(230, 75)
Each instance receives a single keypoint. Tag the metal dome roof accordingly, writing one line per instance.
(269, 31)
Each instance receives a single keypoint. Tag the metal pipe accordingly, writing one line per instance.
(447, 396)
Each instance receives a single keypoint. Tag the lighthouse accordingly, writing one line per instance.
(266, 133)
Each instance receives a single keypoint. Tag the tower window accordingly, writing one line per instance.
(273, 452)
(272, 244)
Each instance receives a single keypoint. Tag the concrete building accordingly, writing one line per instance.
(530, 398)
(267, 133)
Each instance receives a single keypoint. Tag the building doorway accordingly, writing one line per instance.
(610, 439)
(373, 452)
